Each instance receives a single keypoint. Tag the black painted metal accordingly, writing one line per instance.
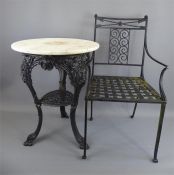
(119, 46)
(85, 146)
(57, 98)
(125, 89)
(135, 107)
(75, 66)
(143, 56)
(119, 64)
(63, 112)
(121, 27)
(62, 86)
(33, 136)
(91, 118)
(77, 135)
(155, 159)
(122, 89)
(85, 130)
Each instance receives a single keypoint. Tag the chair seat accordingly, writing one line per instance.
(122, 89)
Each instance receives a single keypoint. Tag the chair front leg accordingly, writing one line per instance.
(163, 106)
(85, 130)
(135, 107)
(91, 118)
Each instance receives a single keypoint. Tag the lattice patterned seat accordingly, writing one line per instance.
(122, 89)
(120, 44)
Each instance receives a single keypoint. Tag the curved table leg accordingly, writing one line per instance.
(28, 64)
(75, 66)
(33, 136)
(77, 135)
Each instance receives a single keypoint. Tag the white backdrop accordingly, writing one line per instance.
(22, 19)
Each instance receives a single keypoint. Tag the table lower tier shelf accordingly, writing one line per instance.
(57, 98)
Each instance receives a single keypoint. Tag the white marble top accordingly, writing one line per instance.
(55, 46)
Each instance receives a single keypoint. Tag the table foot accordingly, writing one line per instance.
(30, 139)
(33, 136)
(84, 157)
(155, 160)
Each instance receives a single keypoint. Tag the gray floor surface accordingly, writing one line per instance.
(118, 145)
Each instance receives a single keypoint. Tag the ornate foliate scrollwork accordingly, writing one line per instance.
(74, 66)
(30, 61)
(28, 64)
(47, 63)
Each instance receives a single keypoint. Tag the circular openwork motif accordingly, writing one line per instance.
(123, 50)
(114, 41)
(124, 33)
(123, 59)
(115, 33)
(123, 42)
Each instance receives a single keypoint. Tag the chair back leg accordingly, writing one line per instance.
(85, 131)
(163, 106)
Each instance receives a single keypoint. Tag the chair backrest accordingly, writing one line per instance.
(119, 34)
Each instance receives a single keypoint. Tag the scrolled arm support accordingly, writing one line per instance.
(163, 96)
(161, 84)
(152, 58)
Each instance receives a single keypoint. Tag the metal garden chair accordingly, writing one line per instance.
(130, 89)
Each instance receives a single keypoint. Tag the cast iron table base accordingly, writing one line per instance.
(75, 66)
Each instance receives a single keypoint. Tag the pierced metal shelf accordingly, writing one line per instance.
(57, 98)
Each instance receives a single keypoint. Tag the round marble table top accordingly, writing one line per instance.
(55, 46)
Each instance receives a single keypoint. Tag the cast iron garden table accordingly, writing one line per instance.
(71, 57)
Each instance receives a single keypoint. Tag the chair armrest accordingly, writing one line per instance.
(163, 96)
(152, 58)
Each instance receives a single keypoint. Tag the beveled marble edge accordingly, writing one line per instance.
(54, 46)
